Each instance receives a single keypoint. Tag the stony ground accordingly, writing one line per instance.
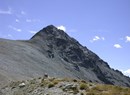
(58, 86)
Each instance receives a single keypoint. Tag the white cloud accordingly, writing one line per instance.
(117, 46)
(102, 38)
(23, 12)
(19, 30)
(16, 20)
(126, 72)
(9, 35)
(61, 27)
(32, 20)
(127, 38)
(8, 12)
(96, 38)
(14, 28)
(20, 15)
(33, 32)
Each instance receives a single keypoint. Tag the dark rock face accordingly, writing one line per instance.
(52, 51)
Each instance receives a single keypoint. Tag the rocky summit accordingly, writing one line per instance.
(55, 53)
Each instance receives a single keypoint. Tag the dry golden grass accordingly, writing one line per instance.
(83, 86)
(101, 89)
(79, 87)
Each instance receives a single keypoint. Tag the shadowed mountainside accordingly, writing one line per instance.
(53, 52)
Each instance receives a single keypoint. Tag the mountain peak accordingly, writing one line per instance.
(54, 52)
(50, 27)
(46, 30)
(50, 32)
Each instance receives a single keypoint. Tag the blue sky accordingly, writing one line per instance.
(101, 25)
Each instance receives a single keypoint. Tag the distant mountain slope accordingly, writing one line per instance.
(52, 51)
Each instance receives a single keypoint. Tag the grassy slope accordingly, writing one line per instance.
(58, 86)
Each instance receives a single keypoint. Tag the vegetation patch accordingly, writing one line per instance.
(51, 85)
(62, 86)
(83, 86)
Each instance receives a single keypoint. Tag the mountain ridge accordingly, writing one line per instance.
(54, 52)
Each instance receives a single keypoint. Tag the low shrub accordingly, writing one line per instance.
(74, 80)
(83, 86)
(51, 85)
